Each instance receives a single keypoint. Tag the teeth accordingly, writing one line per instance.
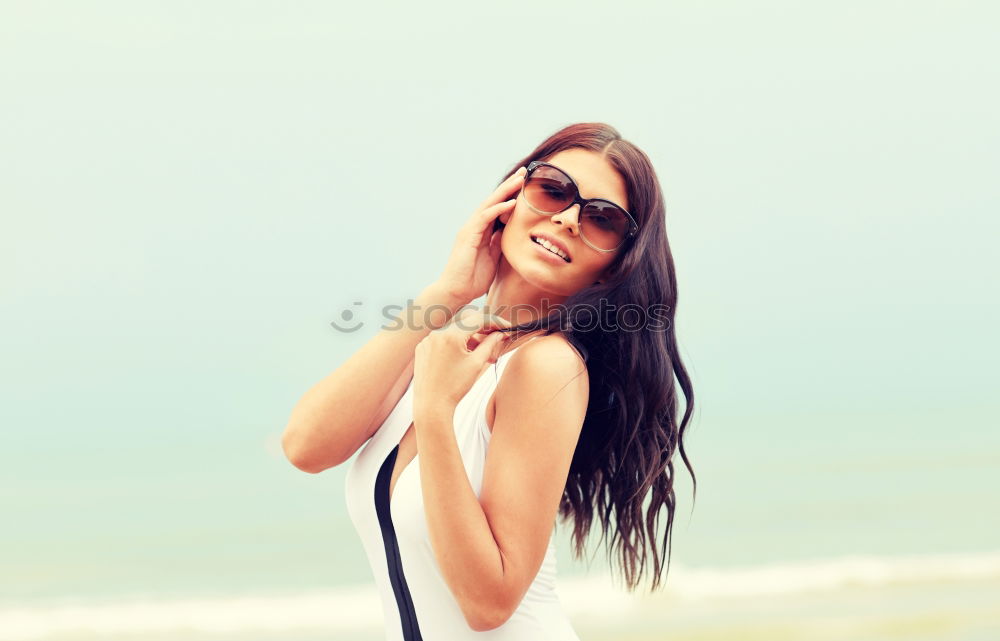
(552, 248)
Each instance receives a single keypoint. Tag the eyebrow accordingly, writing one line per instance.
(578, 187)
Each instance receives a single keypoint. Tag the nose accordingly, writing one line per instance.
(570, 218)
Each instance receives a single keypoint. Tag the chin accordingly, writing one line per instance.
(543, 276)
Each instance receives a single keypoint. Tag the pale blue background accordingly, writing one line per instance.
(191, 191)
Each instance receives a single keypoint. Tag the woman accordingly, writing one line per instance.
(558, 398)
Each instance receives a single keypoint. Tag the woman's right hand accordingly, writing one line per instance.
(475, 255)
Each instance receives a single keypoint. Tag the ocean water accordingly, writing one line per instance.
(916, 598)
(882, 535)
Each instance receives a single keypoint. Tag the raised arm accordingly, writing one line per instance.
(335, 418)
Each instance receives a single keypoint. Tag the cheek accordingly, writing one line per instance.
(516, 216)
(595, 264)
(515, 228)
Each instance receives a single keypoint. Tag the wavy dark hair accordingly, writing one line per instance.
(631, 430)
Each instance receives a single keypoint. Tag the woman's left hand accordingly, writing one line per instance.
(448, 361)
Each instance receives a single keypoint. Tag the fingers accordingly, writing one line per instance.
(470, 327)
(505, 190)
(477, 333)
(476, 229)
(483, 218)
(501, 201)
(478, 338)
(489, 348)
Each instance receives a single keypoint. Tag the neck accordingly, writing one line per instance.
(516, 300)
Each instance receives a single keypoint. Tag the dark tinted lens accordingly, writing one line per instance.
(604, 224)
(548, 190)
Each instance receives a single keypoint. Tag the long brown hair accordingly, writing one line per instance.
(631, 430)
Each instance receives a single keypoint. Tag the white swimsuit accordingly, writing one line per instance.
(416, 601)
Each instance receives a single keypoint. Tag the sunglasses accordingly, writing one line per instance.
(548, 190)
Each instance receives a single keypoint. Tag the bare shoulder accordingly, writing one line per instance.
(542, 368)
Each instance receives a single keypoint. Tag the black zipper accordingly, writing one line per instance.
(407, 616)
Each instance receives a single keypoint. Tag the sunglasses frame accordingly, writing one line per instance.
(583, 202)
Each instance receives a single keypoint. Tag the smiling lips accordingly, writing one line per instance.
(551, 247)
